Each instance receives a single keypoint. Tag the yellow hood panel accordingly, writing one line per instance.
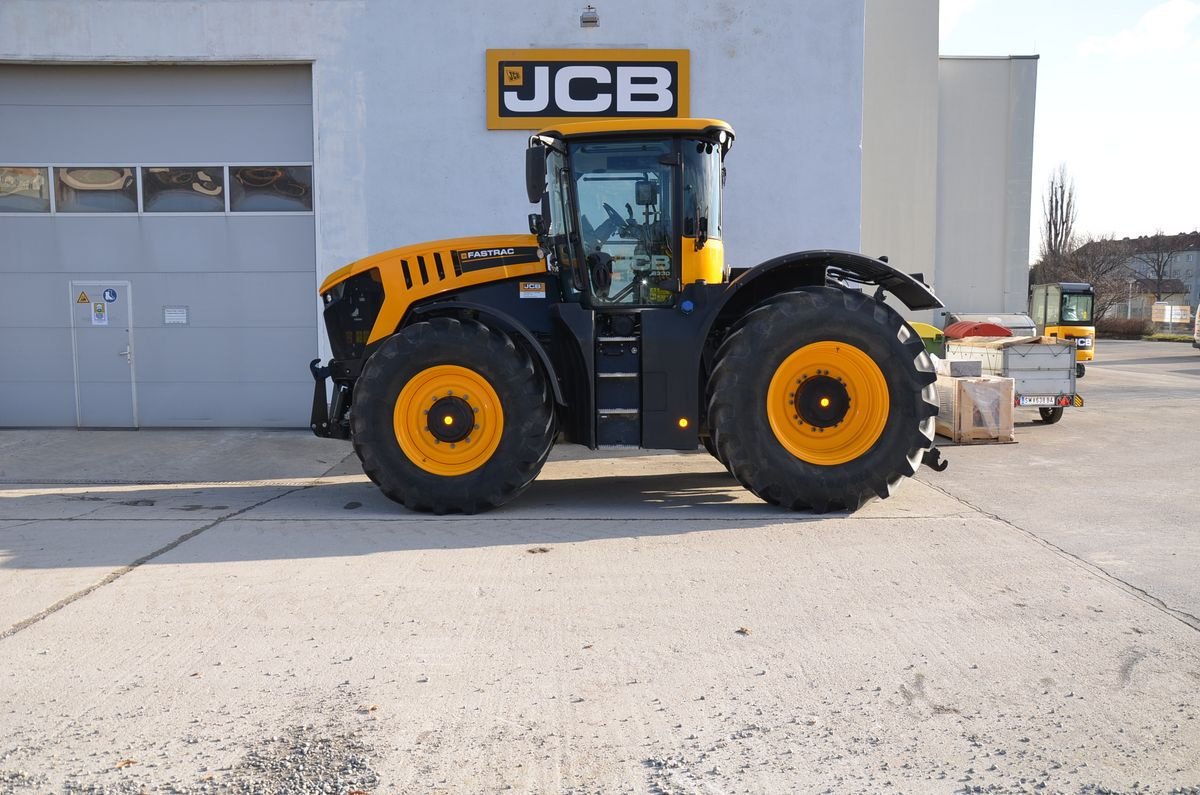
(413, 273)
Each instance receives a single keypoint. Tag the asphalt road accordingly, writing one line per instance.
(243, 612)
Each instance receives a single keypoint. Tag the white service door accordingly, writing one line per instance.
(103, 333)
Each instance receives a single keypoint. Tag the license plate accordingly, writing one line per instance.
(1039, 400)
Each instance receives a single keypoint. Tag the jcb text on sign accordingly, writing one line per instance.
(530, 88)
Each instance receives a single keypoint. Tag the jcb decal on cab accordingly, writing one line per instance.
(528, 88)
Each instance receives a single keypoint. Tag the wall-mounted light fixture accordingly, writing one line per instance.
(589, 18)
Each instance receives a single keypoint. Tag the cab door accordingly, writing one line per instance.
(1053, 309)
(1037, 308)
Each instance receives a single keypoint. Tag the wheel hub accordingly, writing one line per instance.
(450, 419)
(827, 402)
(822, 401)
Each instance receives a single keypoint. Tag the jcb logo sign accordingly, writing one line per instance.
(528, 89)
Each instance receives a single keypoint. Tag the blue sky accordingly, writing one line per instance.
(1118, 102)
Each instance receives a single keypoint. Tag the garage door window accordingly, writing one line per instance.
(24, 190)
(95, 189)
(270, 189)
(191, 189)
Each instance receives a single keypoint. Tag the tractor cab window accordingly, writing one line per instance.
(701, 190)
(623, 189)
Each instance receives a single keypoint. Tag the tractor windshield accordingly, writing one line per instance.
(1077, 308)
(624, 194)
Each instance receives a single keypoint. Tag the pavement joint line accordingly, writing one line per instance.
(117, 574)
(1182, 616)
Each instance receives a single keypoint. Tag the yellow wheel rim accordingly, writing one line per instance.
(459, 406)
(817, 374)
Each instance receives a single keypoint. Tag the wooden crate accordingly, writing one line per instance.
(975, 410)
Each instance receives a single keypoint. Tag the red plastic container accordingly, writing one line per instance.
(971, 328)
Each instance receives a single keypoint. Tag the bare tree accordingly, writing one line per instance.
(1058, 228)
(1152, 256)
(1102, 262)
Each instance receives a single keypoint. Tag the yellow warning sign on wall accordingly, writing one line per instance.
(83, 299)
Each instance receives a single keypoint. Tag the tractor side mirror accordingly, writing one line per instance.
(535, 173)
(537, 225)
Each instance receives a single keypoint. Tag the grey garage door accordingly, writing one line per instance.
(157, 246)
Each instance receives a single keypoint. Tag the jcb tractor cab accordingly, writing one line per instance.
(457, 364)
(1064, 310)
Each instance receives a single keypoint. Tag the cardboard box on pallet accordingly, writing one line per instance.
(975, 410)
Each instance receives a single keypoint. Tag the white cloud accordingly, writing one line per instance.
(950, 12)
(1163, 28)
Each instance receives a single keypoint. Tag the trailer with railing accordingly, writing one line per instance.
(1042, 369)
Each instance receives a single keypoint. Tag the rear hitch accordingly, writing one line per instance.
(933, 459)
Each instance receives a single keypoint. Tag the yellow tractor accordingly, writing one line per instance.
(615, 322)
(1063, 310)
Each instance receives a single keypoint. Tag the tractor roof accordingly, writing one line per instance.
(610, 127)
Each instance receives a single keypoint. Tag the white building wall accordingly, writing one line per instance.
(403, 153)
(900, 135)
(985, 164)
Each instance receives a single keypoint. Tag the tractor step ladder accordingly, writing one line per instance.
(618, 391)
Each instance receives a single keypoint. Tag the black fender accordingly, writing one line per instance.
(818, 268)
(505, 322)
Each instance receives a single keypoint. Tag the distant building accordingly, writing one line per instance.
(1181, 275)
(1179, 256)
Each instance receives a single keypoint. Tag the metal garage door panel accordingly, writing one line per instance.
(142, 114)
(229, 300)
(125, 135)
(38, 385)
(238, 243)
(184, 84)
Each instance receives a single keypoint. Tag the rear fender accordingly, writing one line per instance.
(818, 268)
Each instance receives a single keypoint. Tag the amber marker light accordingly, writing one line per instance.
(448, 420)
(824, 403)
(683, 423)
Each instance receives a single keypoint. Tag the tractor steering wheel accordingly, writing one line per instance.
(621, 223)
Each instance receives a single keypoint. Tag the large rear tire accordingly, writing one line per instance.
(451, 416)
(822, 399)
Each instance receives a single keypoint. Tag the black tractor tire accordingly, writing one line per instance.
(1051, 415)
(711, 447)
(764, 341)
(526, 406)
(1080, 370)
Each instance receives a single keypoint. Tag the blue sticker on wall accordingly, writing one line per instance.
(110, 295)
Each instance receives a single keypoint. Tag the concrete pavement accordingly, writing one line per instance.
(234, 612)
